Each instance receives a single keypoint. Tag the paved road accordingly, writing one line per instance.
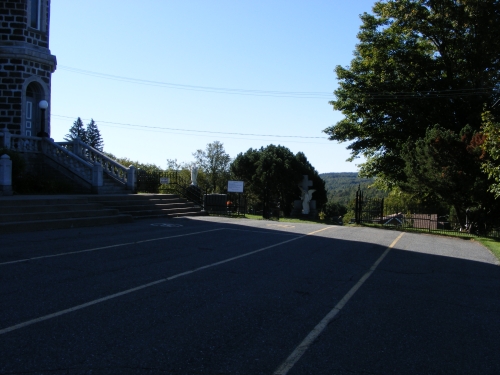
(234, 296)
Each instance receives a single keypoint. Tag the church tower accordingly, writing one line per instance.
(26, 65)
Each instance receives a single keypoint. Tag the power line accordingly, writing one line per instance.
(384, 95)
(196, 131)
(216, 90)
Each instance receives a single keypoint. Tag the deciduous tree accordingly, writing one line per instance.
(419, 64)
(275, 171)
(491, 145)
(215, 163)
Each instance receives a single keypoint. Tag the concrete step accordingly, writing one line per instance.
(56, 215)
(180, 214)
(23, 209)
(135, 197)
(137, 206)
(33, 213)
(150, 205)
(162, 212)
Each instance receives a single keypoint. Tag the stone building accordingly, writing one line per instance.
(26, 65)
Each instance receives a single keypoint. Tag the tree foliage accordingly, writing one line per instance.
(77, 130)
(447, 165)
(491, 146)
(342, 187)
(274, 171)
(422, 67)
(215, 163)
(90, 135)
(126, 162)
(93, 136)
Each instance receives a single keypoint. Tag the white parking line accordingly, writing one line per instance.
(140, 287)
(107, 247)
(313, 335)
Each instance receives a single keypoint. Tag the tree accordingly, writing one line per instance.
(274, 171)
(126, 162)
(446, 164)
(93, 136)
(76, 131)
(215, 163)
(419, 64)
(491, 146)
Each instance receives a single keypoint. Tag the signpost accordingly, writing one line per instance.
(164, 180)
(235, 186)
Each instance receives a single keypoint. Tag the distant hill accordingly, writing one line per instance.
(341, 187)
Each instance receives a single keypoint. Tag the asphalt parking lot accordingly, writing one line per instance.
(235, 296)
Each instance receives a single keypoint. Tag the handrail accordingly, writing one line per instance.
(114, 169)
(77, 165)
(78, 157)
(21, 143)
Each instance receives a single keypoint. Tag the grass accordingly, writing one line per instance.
(291, 220)
(492, 244)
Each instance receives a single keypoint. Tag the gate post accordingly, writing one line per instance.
(5, 175)
(97, 179)
(131, 179)
(381, 209)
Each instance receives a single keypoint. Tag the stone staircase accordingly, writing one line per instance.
(111, 186)
(149, 205)
(35, 213)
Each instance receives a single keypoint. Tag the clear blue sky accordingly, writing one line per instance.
(159, 65)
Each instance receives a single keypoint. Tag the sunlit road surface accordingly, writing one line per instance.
(236, 296)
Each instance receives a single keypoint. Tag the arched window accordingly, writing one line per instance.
(35, 14)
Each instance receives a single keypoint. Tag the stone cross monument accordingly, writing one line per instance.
(306, 194)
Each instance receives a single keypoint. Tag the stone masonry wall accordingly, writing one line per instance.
(14, 24)
(24, 54)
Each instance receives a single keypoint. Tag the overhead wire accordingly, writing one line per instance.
(216, 90)
(193, 132)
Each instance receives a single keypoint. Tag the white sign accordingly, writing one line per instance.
(164, 180)
(235, 186)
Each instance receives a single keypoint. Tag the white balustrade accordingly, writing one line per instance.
(91, 155)
(71, 161)
(21, 143)
(77, 156)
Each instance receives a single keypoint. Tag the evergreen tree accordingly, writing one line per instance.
(76, 131)
(93, 136)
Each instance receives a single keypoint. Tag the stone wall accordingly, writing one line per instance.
(24, 58)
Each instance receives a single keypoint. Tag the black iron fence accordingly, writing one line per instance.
(422, 219)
